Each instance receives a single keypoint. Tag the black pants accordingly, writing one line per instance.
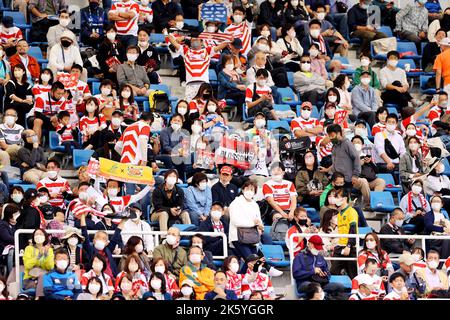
(393, 96)
(313, 96)
(338, 265)
(40, 28)
(180, 62)
(419, 222)
(67, 146)
(368, 116)
(22, 109)
(239, 97)
(312, 201)
(92, 42)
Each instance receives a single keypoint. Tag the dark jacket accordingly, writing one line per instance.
(304, 264)
(356, 16)
(429, 224)
(231, 295)
(161, 201)
(28, 219)
(107, 50)
(224, 194)
(91, 251)
(163, 13)
(273, 16)
(292, 15)
(394, 245)
(149, 54)
(6, 234)
(213, 244)
(169, 140)
(429, 54)
(190, 8)
(91, 20)
(31, 157)
(208, 260)
(106, 153)
(149, 294)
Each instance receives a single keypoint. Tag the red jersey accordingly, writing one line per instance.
(90, 125)
(324, 150)
(197, 63)
(131, 145)
(241, 31)
(47, 105)
(40, 88)
(58, 186)
(281, 192)
(13, 35)
(66, 135)
(129, 26)
(104, 278)
(378, 285)
(119, 203)
(259, 91)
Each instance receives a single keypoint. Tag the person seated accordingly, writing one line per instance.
(314, 36)
(132, 74)
(291, 48)
(399, 290)
(64, 54)
(310, 181)
(32, 69)
(393, 81)
(134, 267)
(300, 224)
(415, 206)
(57, 186)
(366, 66)
(215, 222)
(256, 279)
(60, 283)
(54, 33)
(220, 291)
(438, 183)
(198, 198)
(148, 57)
(93, 22)
(67, 134)
(18, 94)
(372, 250)
(432, 49)
(435, 279)
(358, 28)
(107, 98)
(10, 137)
(360, 130)
(170, 250)
(380, 116)
(10, 35)
(213, 120)
(317, 62)
(30, 158)
(50, 211)
(371, 269)
(412, 23)
(158, 288)
(136, 225)
(311, 86)
(198, 240)
(198, 272)
(111, 53)
(305, 125)
(437, 224)
(259, 98)
(363, 290)
(387, 157)
(365, 100)
(224, 191)
(412, 164)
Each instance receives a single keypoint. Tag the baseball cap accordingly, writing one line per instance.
(237, 43)
(226, 170)
(316, 241)
(365, 72)
(365, 279)
(407, 259)
(306, 104)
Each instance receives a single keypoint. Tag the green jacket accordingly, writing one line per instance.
(374, 82)
(324, 194)
(176, 258)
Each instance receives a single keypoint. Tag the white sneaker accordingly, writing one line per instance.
(275, 272)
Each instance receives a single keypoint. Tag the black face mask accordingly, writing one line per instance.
(207, 96)
(66, 43)
(93, 5)
(302, 222)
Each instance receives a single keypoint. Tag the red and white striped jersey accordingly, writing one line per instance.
(378, 127)
(139, 282)
(340, 118)
(131, 145)
(301, 124)
(40, 88)
(147, 12)
(241, 31)
(72, 109)
(58, 186)
(197, 105)
(119, 203)
(14, 34)
(45, 104)
(259, 91)
(91, 125)
(78, 208)
(324, 150)
(392, 296)
(82, 87)
(129, 26)
(66, 135)
(197, 63)
(106, 281)
(359, 296)
(281, 192)
(262, 283)
(378, 285)
(213, 39)
(435, 115)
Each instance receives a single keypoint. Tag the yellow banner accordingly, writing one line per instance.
(125, 172)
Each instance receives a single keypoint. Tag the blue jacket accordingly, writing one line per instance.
(225, 85)
(429, 223)
(231, 295)
(96, 19)
(169, 139)
(197, 201)
(59, 285)
(213, 244)
(91, 251)
(148, 294)
(304, 264)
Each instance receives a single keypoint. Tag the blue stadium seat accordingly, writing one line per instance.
(218, 263)
(31, 291)
(185, 227)
(274, 255)
(54, 142)
(25, 187)
(386, 30)
(191, 22)
(408, 47)
(313, 215)
(389, 179)
(364, 230)
(36, 52)
(81, 157)
(213, 80)
(146, 106)
(13, 182)
(245, 116)
(393, 110)
(344, 280)
(423, 81)
(19, 19)
(346, 63)
(290, 76)
(283, 107)
(96, 88)
(165, 88)
(158, 39)
(382, 201)
(278, 124)
(447, 166)
(288, 96)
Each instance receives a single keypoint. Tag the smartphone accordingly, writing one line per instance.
(256, 266)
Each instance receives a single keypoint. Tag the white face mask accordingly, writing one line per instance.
(361, 132)
(52, 174)
(64, 22)
(332, 200)
(211, 29)
(365, 81)
(195, 258)
(306, 67)
(182, 111)
(277, 177)
(160, 269)
(97, 266)
(175, 126)
(99, 245)
(309, 160)
(111, 36)
(371, 245)
(116, 122)
(112, 192)
(143, 44)
(126, 286)
(392, 63)
(156, 284)
(144, 2)
(39, 239)
(321, 16)
(212, 108)
(411, 132)
(238, 18)
(170, 181)
(399, 223)
(314, 251)
(132, 57)
(260, 123)
(433, 264)
(261, 82)
(436, 206)
(306, 114)
(202, 186)
(249, 194)
(180, 25)
(186, 291)
(90, 107)
(416, 257)
(229, 67)
(216, 215)
(413, 146)
(171, 239)
(17, 197)
(339, 202)
(365, 62)
(106, 91)
(125, 94)
(391, 127)
(416, 189)
(358, 146)
(133, 267)
(73, 241)
(62, 264)
(263, 48)
(94, 288)
(139, 248)
(332, 98)
(315, 33)
(265, 33)
(45, 77)
(196, 129)
(322, 295)
(10, 121)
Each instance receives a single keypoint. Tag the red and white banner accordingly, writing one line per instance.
(219, 37)
(236, 153)
(67, 79)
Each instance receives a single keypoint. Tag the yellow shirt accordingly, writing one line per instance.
(32, 259)
(202, 278)
(346, 218)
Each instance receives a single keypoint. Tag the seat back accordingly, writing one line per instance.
(95, 88)
(402, 62)
(423, 81)
(162, 87)
(35, 52)
(17, 16)
(287, 94)
(386, 30)
(157, 38)
(380, 199)
(53, 140)
(273, 252)
(406, 46)
(387, 177)
(278, 124)
(81, 157)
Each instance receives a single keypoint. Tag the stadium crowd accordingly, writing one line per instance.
(327, 147)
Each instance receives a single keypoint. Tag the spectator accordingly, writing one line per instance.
(358, 28)
(164, 13)
(111, 53)
(9, 35)
(381, 116)
(22, 57)
(170, 251)
(317, 62)
(9, 216)
(198, 199)
(133, 75)
(372, 250)
(135, 226)
(202, 276)
(414, 284)
(295, 14)
(18, 94)
(310, 181)
(412, 164)
(419, 256)
(314, 36)
(432, 50)
(99, 265)
(311, 86)
(125, 15)
(388, 12)
(10, 137)
(438, 183)
(16, 196)
(41, 11)
(158, 288)
(223, 191)
(72, 242)
(64, 54)
(365, 100)
(415, 206)
(366, 66)
(256, 279)
(93, 22)
(314, 292)
(216, 222)
(371, 269)
(220, 291)
(270, 12)
(300, 224)
(133, 267)
(436, 224)
(399, 290)
(235, 280)
(412, 23)
(145, 15)
(231, 84)
(67, 134)
(135, 246)
(387, 157)
(437, 25)
(149, 57)
(187, 290)
(54, 33)
(160, 265)
(58, 187)
(364, 288)
(435, 279)
(168, 202)
(44, 83)
(241, 27)
(393, 80)
(291, 48)
(30, 158)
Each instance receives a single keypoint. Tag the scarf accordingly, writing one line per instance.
(41, 216)
(422, 199)
(321, 43)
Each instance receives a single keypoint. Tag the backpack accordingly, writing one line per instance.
(159, 102)
(279, 229)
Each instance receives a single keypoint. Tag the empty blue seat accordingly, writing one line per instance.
(389, 179)
(344, 280)
(386, 30)
(25, 187)
(95, 88)
(288, 96)
(313, 215)
(19, 19)
(81, 157)
(382, 201)
(36, 53)
(364, 230)
(185, 227)
(191, 22)
(278, 124)
(403, 47)
(274, 255)
(54, 142)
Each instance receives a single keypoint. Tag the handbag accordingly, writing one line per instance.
(248, 235)
(389, 148)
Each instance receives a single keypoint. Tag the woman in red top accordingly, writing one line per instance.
(44, 83)
(381, 116)
(160, 265)
(197, 106)
(372, 249)
(91, 122)
(234, 279)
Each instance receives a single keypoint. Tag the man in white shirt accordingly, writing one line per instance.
(389, 163)
(54, 33)
(65, 54)
(132, 227)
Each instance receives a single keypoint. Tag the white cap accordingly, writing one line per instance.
(365, 279)
(445, 42)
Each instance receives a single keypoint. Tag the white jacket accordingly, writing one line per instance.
(242, 215)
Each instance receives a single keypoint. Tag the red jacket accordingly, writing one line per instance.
(33, 65)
